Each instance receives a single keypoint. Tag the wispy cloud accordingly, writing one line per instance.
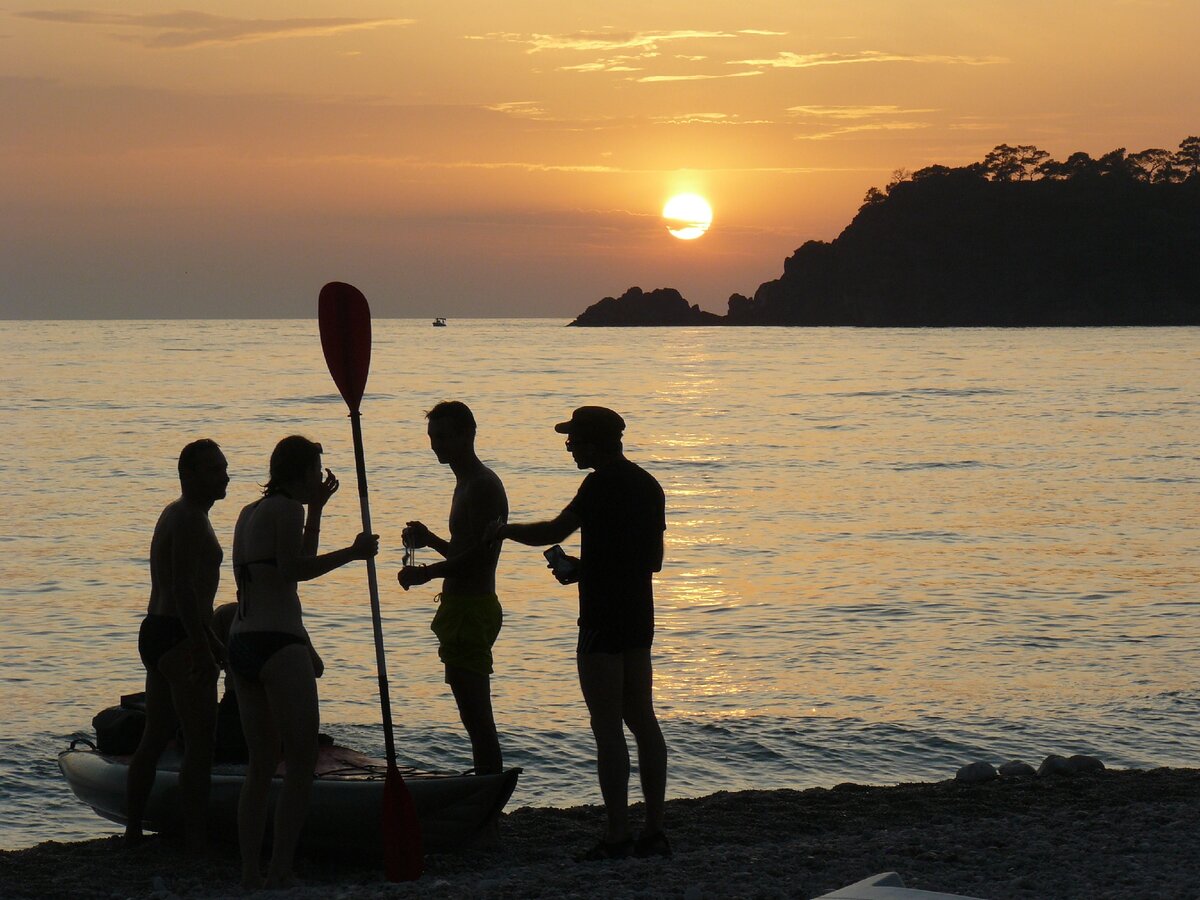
(857, 129)
(647, 79)
(190, 28)
(605, 40)
(519, 109)
(852, 112)
(789, 60)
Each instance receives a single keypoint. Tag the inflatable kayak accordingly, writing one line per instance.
(345, 807)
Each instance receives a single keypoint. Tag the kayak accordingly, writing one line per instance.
(345, 807)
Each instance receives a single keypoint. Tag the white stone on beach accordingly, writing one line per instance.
(1014, 768)
(975, 773)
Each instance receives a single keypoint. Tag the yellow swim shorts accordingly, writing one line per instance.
(466, 627)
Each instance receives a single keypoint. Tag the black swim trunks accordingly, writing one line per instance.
(157, 635)
(248, 651)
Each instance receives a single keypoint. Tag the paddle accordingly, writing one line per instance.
(345, 320)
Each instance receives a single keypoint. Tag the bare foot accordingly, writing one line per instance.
(252, 880)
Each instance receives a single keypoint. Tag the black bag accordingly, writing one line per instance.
(119, 728)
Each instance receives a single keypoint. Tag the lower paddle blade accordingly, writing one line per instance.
(345, 320)
(403, 858)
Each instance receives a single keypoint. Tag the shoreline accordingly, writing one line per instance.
(1113, 834)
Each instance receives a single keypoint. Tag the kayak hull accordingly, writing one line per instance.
(345, 806)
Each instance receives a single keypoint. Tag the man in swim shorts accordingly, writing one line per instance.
(469, 615)
(621, 514)
(177, 644)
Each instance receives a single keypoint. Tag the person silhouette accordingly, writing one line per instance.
(177, 646)
(620, 510)
(270, 654)
(469, 616)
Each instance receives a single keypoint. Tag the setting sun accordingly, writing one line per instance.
(688, 216)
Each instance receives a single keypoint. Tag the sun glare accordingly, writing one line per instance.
(687, 216)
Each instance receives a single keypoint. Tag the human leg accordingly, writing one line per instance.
(195, 701)
(638, 713)
(159, 729)
(473, 695)
(600, 678)
(291, 688)
(262, 742)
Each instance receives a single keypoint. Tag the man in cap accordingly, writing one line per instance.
(620, 511)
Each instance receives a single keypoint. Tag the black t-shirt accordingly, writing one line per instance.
(622, 512)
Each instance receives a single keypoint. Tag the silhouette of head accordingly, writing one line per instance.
(451, 430)
(203, 469)
(291, 461)
(592, 429)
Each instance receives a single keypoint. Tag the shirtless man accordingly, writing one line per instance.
(177, 645)
(469, 617)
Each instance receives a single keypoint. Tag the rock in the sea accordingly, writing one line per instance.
(975, 773)
(664, 306)
(1055, 765)
(1085, 765)
(1014, 768)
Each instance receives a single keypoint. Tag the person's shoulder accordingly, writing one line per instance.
(179, 514)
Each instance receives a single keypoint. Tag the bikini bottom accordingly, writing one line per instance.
(248, 651)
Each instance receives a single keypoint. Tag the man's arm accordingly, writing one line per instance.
(485, 503)
(188, 536)
(540, 534)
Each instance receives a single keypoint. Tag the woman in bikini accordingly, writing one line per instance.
(270, 655)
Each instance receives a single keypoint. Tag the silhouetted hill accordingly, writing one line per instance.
(635, 307)
(1017, 240)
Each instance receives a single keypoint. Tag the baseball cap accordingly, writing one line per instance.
(592, 421)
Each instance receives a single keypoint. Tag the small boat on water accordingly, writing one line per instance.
(439, 322)
(345, 807)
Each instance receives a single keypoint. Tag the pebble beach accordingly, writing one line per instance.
(1110, 834)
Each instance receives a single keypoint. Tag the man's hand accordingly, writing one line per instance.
(415, 535)
(318, 664)
(491, 531)
(567, 569)
(412, 575)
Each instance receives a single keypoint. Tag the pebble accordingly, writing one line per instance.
(1054, 765)
(976, 773)
(1084, 765)
(1014, 768)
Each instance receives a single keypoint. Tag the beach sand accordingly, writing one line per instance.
(1115, 834)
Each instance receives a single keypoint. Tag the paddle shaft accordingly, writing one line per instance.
(364, 504)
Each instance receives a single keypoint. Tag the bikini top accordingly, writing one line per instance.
(241, 571)
(241, 576)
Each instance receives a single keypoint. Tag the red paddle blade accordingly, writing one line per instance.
(345, 320)
(403, 857)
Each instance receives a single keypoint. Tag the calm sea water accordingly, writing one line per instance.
(889, 552)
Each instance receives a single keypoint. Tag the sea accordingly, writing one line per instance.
(889, 552)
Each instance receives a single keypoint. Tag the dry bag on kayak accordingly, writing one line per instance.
(119, 728)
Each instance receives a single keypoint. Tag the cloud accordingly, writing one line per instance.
(788, 60)
(519, 109)
(604, 40)
(856, 129)
(853, 112)
(189, 28)
(647, 79)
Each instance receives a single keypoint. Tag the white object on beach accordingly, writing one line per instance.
(887, 886)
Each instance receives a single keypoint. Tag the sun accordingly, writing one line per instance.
(688, 216)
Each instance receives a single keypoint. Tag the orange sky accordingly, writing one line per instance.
(512, 159)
